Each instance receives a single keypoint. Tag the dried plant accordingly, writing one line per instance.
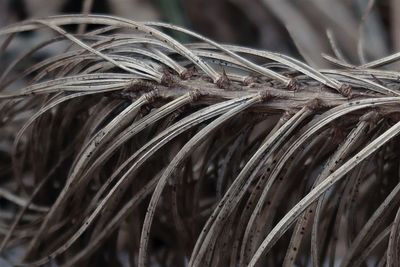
(130, 144)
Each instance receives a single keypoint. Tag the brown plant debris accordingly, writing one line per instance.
(130, 144)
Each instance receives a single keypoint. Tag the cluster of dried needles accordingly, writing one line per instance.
(127, 144)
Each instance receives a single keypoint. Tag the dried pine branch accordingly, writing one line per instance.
(200, 154)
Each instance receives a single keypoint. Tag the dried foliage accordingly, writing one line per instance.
(363, 29)
(130, 144)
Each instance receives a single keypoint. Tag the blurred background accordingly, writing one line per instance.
(360, 30)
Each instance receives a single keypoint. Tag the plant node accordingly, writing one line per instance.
(223, 82)
(188, 73)
(345, 90)
(293, 85)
